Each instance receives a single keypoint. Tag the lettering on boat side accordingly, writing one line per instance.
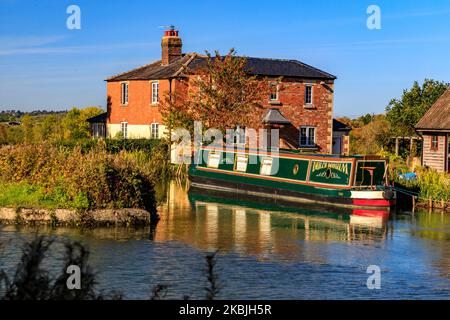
(374, 280)
(330, 172)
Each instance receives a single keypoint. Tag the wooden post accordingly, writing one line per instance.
(411, 147)
(413, 204)
(396, 146)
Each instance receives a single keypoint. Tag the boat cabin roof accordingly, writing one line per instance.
(300, 153)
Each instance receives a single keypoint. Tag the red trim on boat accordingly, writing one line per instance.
(374, 202)
(371, 213)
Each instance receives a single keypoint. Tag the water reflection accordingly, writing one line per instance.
(267, 250)
(212, 222)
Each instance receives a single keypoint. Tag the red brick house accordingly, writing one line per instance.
(434, 127)
(305, 103)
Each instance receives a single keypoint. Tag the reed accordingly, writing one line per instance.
(69, 177)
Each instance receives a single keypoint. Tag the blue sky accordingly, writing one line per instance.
(45, 65)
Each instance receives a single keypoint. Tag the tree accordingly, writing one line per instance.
(371, 138)
(221, 96)
(403, 114)
(27, 128)
(75, 124)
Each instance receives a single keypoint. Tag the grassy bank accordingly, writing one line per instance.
(44, 176)
(24, 195)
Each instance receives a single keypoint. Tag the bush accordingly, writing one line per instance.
(434, 185)
(110, 145)
(72, 178)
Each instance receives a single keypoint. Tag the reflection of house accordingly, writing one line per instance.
(435, 130)
(304, 96)
(341, 138)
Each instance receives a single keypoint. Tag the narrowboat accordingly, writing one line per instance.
(288, 176)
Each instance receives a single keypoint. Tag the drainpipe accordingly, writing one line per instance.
(170, 122)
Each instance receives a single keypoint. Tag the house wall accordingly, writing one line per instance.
(291, 105)
(140, 113)
(345, 141)
(435, 159)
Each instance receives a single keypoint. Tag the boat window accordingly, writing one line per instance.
(213, 160)
(266, 166)
(241, 163)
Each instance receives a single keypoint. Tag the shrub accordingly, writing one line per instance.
(72, 178)
(434, 185)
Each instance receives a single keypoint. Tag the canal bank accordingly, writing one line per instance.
(64, 217)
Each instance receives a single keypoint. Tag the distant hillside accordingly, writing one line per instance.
(12, 115)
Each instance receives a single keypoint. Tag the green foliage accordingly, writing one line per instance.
(403, 114)
(58, 127)
(52, 177)
(75, 125)
(434, 185)
(371, 138)
(22, 195)
(110, 145)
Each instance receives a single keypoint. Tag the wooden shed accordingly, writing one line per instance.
(434, 128)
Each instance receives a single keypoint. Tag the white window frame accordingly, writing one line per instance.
(153, 130)
(124, 129)
(155, 87)
(124, 93)
(277, 93)
(266, 166)
(308, 85)
(98, 130)
(214, 160)
(240, 136)
(241, 162)
(307, 135)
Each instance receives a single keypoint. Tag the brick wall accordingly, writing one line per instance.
(140, 111)
(291, 105)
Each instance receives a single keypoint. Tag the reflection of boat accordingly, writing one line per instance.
(352, 182)
(338, 216)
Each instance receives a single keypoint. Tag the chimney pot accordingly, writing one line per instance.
(171, 46)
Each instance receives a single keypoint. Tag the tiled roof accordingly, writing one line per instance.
(275, 68)
(438, 116)
(340, 126)
(153, 71)
(255, 66)
(99, 118)
(274, 116)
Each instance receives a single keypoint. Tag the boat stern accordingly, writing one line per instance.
(374, 198)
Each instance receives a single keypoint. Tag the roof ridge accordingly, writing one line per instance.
(137, 68)
(184, 65)
(294, 61)
(430, 111)
(310, 66)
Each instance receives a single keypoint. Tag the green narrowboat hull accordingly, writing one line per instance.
(353, 182)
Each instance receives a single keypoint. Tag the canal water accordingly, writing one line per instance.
(263, 252)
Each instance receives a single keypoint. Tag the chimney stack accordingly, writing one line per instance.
(171, 46)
